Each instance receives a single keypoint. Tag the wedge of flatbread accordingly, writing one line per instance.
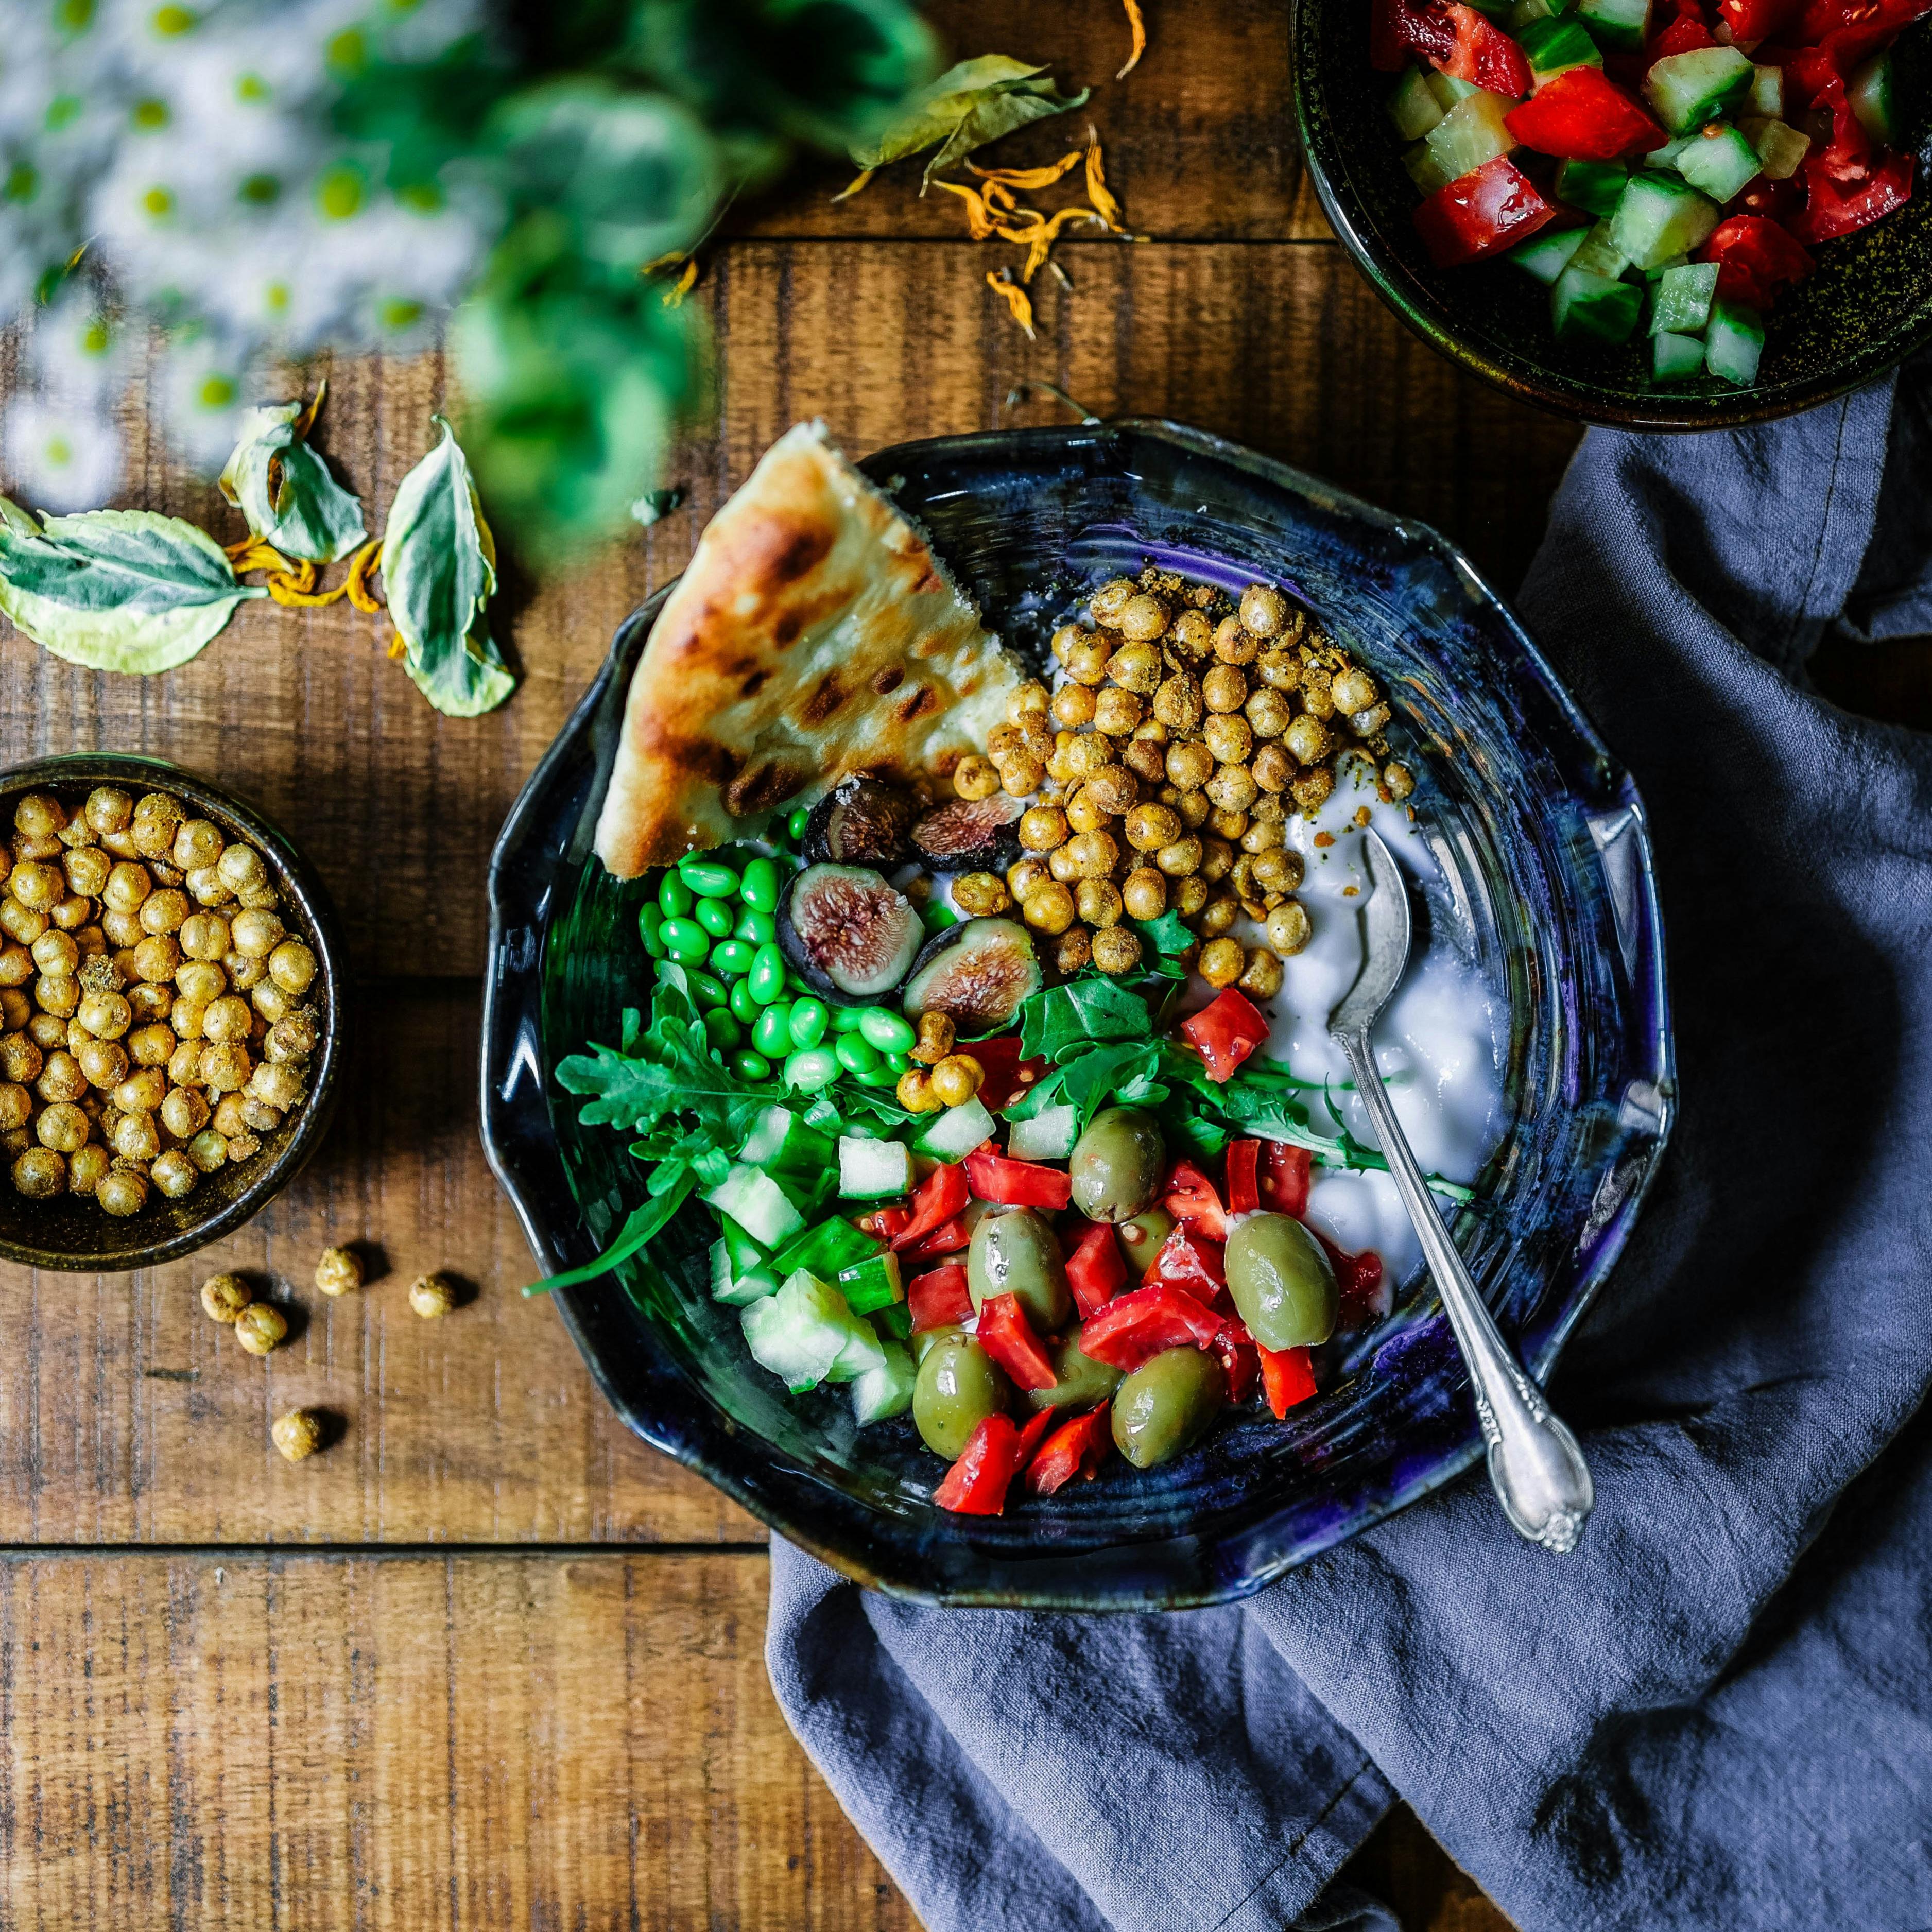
(814, 634)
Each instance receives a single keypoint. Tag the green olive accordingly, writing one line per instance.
(1281, 1282)
(1079, 1381)
(1141, 1238)
(1015, 1253)
(1166, 1403)
(956, 1389)
(1117, 1164)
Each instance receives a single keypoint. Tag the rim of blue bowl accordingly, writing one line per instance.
(656, 1398)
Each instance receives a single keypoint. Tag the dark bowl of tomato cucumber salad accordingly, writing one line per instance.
(1656, 213)
(996, 1260)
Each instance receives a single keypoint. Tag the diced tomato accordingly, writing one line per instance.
(1007, 1075)
(1190, 1262)
(940, 1196)
(884, 1223)
(1007, 1336)
(1286, 1174)
(1095, 1271)
(1037, 1425)
(1225, 1032)
(1757, 19)
(1193, 1201)
(1582, 117)
(1019, 1183)
(1240, 1359)
(1479, 214)
(1133, 1328)
(1484, 55)
(1075, 1448)
(1686, 35)
(1832, 208)
(948, 1238)
(1358, 1284)
(1755, 259)
(1244, 1194)
(1773, 199)
(1400, 28)
(939, 1299)
(1288, 1377)
(976, 1484)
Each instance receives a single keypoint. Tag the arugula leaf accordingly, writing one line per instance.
(1168, 933)
(284, 490)
(1079, 1012)
(976, 102)
(123, 590)
(1102, 1073)
(439, 565)
(641, 1224)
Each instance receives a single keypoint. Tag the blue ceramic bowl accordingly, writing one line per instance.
(1538, 829)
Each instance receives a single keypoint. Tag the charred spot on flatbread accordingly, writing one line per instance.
(888, 680)
(825, 697)
(762, 787)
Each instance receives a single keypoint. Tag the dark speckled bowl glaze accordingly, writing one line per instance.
(1867, 307)
(1542, 840)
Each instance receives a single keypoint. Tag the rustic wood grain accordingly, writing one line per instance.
(212, 1740)
(127, 1416)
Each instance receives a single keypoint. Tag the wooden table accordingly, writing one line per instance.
(489, 1660)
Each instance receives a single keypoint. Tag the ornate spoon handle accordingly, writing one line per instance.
(1538, 1472)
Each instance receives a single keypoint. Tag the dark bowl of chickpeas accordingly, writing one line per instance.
(170, 1013)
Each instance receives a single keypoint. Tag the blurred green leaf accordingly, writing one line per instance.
(974, 103)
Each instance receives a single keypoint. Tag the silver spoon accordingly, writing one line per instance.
(1538, 1472)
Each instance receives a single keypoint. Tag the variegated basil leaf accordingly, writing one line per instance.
(284, 489)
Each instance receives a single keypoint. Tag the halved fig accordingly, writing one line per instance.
(978, 974)
(860, 821)
(850, 936)
(971, 834)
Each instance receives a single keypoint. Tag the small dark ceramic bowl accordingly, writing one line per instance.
(70, 1231)
(1542, 838)
(1867, 306)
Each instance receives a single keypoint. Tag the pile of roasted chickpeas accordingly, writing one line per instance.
(152, 1022)
(1163, 769)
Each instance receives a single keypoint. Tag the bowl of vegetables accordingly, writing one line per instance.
(1653, 214)
(895, 1199)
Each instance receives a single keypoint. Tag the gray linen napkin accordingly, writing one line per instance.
(1717, 1713)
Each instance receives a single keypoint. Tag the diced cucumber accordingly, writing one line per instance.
(1447, 89)
(874, 1170)
(826, 1250)
(895, 1323)
(881, 1393)
(1781, 148)
(1674, 357)
(806, 1335)
(1600, 254)
(1733, 343)
(1526, 13)
(779, 1138)
(738, 1287)
(957, 1132)
(872, 1285)
(1555, 47)
(745, 1252)
(1547, 255)
(1658, 216)
(1424, 168)
(1682, 304)
(1663, 268)
(1766, 96)
(1874, 100)
(1621, 25)
(1049, 1135)
(1665, 157)
(757, 1204)
(1586, 308)
(1497, 10)
(1688, 90)
(1592, 186)
(722, 1274)
(1721, 162)
(1471, 134)
(1413, 109)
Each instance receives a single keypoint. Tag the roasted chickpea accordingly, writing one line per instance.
(1217, 917)
(1023, 877)
(1272, 873)
(1098, 901)
(37, 815)
(1230, 739)
(1002, 741)
(87, 870)
(39, 1173)
(228, 1121)
(1280, 671)
(1399, 778)
(20, 1059)
(255, 935)
(1087, 662)
(1190, 764)
(86, 1166)
(1144, 893)
(1180, 858)
(1116, 712)
(1354, 689)
(1150, 827)
(1111, 599)
(224, 1296)
(1264, 611)
(48, 1031)
(142, 1091)
(1136, 667)
(200, 981)
(35, 886)
(1268, 713)
(1021, 776)
(183, 1113)
(1311, 790)
(204, 935)
(71, 913)
(1190, 894)
(1233, 645)
(1029, 700)
(1271, 768)
(205, 886)
(957, 1078)
(17, 963)
(92, 940)
(1145, 758)
(62, 1126)
(104, 1062)
(1092, 854)
(156, 959)
(976, 778)
(121, 930)
(1177, 704)
(1363, 723)
(1317, 698)
(1226, 824)
(1084, 814)
(1192, 635)
(128, 883)
(263, 898)
(56, 953)
(1241, 879)
(297, 1434)
(978, 895)
(1114, 789)
(276, 1084)
(243, 973)
(1073, 950)
(106, 1015)
(1117, 948)
(57, 993)
(1087, 754)
(225, 1067)
(152, 1045)
(121, 1191)
(21, 923)
(107, 809)
(174, 1174)
(1060, 865)
(1073, 706)
(258, 1116)
(133, 1137)
(15, 1009)
(914, 1092)
(1232, 788)
(243, 1146)
(1289, 929)
(241, 867)
(1221, 962)
(1048, 906)
(1261, 978)
(16, 1106)
(1217, 860)
(1141, 618)
(1041, 828)
(208, 1150)
(260, 1327)
(156, 818)
(935, 1039)
(198, 842)
(1224, 688)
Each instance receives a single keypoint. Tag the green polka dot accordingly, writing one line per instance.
(394, 312)
(159, 202)
(149, 114)
(63, 108)
(423, 197)
(94, 339)
(171, 21)
(341, 191)
(260, 191)
(348, 52)
(216, 392)
(74, 16)
(59, 450)
(275, 297)
(252, 88)
(23, 182)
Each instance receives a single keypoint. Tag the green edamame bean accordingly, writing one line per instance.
(650, 925)
(771, 1031)
(751, 1066)
(685, 940)
(1166, 1403)
(807, 1026)
(745, 1009)
(714, 915)
(731, 958)
(768, 975)
(880, 1075)
(708, 878)
(722, 1031)
(899, 1062)
(707, 992)
(759, 888)
(674, 896)
(811, 1069)
(889, 1032)
(1282, 1282)
(759, 929)
(854, 1055)
(847, 1019)
(796, 824)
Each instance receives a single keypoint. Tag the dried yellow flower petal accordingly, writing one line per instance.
(978, 222)
(1003, 285)
(855, 185)
(1030, 178)
(1098, 192)
(360, 565)
(674, 296)
(1138, 28)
